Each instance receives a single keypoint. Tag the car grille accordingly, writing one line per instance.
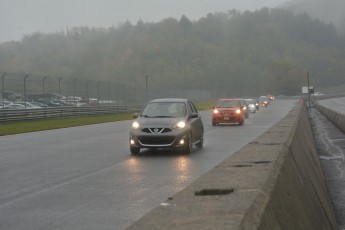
(156, 130)
(228, 113)
(165, 140)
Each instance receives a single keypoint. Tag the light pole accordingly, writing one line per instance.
(74, 84)
(308, 89)
(98, 83)
(87, 92)
(3, 89)
(60, 86)
(44, 91)
(146, 81)
(26, 76)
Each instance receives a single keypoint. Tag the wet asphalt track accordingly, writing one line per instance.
(85, 178)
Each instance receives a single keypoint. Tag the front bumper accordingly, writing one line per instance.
(227, 119)
(141, 139)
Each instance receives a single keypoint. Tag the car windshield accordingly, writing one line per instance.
(164, 109)
(227, 104)
(262, 98)
(250, 101)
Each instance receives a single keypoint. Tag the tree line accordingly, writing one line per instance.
(242, 53)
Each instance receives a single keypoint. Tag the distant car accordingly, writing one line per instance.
(245, 107)
(257, 104)
(167, 123)
(317, 94)
(251, 105)
(228, 111)
(270, 97)
(263, 101)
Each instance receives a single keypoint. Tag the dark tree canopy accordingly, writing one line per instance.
(269, 50)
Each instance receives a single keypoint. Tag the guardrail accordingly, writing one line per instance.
(335, 117)
(274, 182)
(53, 112)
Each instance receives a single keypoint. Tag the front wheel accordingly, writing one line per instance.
(200, 143)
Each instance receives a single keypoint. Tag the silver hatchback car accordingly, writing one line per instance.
(167, 123)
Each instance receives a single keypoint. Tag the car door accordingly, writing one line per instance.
(196, 123)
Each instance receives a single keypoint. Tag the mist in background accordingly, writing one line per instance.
(24, 17)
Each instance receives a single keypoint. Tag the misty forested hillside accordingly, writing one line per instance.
(245, 53)
(329, 11)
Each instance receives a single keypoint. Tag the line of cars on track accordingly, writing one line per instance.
(176, 123)
(236, 110)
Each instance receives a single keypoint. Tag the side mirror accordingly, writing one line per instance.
(135, 115)
(194, 115)
(213, 107)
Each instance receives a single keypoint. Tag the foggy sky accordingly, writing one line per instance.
(22, 17)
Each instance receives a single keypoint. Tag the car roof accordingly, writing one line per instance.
(169, 100)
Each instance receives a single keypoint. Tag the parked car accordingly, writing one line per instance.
(167, 123)
(5, 104)
(228, 111)
(251, 105)
(318, 94)
(16, 106)
(27, 105)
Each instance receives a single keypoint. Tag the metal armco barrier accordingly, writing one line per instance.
(31, 114)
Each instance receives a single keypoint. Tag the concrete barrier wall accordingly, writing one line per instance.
(274, 182)
(335, 117)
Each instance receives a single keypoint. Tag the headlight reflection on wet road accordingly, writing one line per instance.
(182, 172)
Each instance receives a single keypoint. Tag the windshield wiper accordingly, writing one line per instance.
(154, 116)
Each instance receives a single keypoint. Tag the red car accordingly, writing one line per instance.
(228, 111)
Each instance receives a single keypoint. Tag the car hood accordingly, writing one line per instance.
(227, 109)
(159, 121)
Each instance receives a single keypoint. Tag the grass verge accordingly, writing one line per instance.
(16, 127)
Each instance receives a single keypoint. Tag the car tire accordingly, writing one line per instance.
(189, 146)
(200, 143)
(134, 150)
(241, 122)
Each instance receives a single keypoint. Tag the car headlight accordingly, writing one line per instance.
(238, 111)
(180, 125)
(135, 125)
(215, 111)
